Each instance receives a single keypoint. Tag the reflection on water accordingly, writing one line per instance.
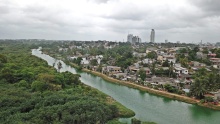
(147, 107)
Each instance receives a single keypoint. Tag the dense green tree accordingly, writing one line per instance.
(184, 62)
(135, 121)
(153, 68)
(166, 64)
(78, 60)
(169, 88)
(198, 88)
(142, 74)
(152, 55)
(39, 86)
(183, 50)
(59, 65)
(93, 62)
(24, 75)
(3, 59)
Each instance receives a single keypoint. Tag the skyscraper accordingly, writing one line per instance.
(152, 36)
(129, 38)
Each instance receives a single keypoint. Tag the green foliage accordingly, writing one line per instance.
(115, 122)
(209, 99)
(93, 62)
(135, 121)
(62, 98)
(184, 62)
(3, 59)
(152, 55)
(183, 50)
(198, 87)
(78, 60)
(153, 68)
(39, 86)
(76, 104)
(169, 88)
(202, 101)
(59, 65)
(205, 51)
(204, 82)
(23, 83)
(166, 64)
(142, 74)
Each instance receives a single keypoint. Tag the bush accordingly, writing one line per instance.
(149, 85)
(38, 86)
(180, 92)
(156, 87)
(135, 121)
(188, 94)
(23, 83)
(209, 99)
(202, 101)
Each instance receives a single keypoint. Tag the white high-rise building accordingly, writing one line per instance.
(133, 39)
(129, 38)
(136, 39)
(152, 36)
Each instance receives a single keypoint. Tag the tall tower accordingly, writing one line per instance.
(129, 38)
(152, 36)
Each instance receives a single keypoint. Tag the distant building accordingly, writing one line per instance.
(166, 41)
(133, 39)
(152, 36)
(129, 38)
(136, 39)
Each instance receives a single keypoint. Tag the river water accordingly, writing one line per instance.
(147, 107)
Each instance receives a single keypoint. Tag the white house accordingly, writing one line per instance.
(84, 61)
(180, 70)
(169, 58)
(147, 61)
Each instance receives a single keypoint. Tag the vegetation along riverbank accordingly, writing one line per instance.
(34, 92)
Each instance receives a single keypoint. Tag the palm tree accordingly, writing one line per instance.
(59, 65)
(171, 69)
(153, 67)
(198, 88)
(212, 85)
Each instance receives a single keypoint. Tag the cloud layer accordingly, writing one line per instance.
(182, 20)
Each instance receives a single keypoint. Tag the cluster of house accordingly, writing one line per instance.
(184, 75)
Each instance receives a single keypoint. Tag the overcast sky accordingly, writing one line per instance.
(175, 20)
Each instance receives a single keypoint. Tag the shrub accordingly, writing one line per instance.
(23, 83)
(38, 86)
(209, 99)
(202, 101)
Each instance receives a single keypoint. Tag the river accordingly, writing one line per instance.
(147, 107)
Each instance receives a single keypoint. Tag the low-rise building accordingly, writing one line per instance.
(84, 61)
(180, 70)
(111, 69)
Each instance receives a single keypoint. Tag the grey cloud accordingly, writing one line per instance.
(198, 19)
(4, 9)
(208, 6)
(99, 1)
(128, 12)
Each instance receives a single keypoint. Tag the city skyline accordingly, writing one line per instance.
(182, 20)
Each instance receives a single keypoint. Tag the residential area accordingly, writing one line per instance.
(185, 69)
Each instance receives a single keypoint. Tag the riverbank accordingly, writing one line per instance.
(150, 90)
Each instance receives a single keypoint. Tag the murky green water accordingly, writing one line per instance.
(147, 107)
